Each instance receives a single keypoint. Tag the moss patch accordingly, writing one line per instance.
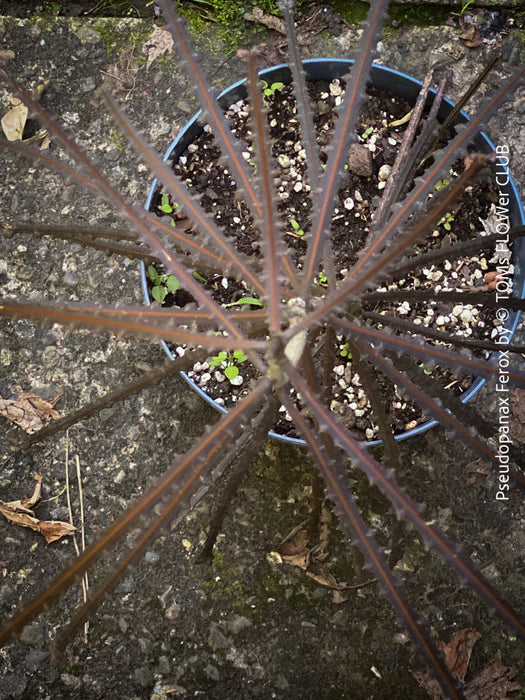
(119, 35)
(419, 15)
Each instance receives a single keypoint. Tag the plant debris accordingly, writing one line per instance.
(29, 411)
(297, 550)
(21, 513)
(494, 682)
(14, 122)
(159, 43)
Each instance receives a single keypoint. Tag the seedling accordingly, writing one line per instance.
(445, 221)
(441, 184)
(322, 279)
(270, 89)
(161, 284)
(168, 208)
(463, 9)
(252, 301)
(297, 230)
(367, 132)
(345, 352)
(228, 362)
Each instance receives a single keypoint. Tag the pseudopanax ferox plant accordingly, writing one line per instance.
(296, 330)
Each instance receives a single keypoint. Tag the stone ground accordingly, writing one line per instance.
(245, 628)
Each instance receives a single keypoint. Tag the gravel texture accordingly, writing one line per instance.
(245, 627)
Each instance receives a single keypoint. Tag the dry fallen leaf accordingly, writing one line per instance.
(14, 121)
(471, 37)
(478, 470)
(270, 21)
(159, 43)
(458, 651)
(29, 411)
(306, 31)
(20, 513)
(294, 551)
(494, 682)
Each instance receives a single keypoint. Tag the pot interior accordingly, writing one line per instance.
(408, 88)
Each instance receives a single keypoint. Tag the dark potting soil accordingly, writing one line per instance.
(380, 131)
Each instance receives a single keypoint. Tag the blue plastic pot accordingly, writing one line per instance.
(404, 86)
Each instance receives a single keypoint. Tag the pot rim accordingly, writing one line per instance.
(411, 89)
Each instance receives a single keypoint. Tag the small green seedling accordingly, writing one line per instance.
(297, 230)
(441, 184)
(253, 301)
(463, 9)
(199, 277)
(161, 284)
(367, 132)
(228, 362)
(322, 279)
(345, 352)
(445, 221)
(270, 89)
(168, 208)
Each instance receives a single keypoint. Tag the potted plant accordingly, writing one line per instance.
(281, 339)
(327, 70)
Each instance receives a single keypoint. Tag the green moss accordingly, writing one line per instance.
(118, 38)
(166, 63)
(117, 139)
(419, 15)
(226, 12)
(225, 577)
(227, 19)
(353, 11)
(123, 8)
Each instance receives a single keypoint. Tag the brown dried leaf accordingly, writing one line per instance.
(19, 512)
(305, 32)
(294, 551)
(471, 37)
(268, 20)
(458, 651)
(29, 411)
(26, 504)
(338, 596)
(55, 529)
(477, 467)
(293, 548)
(494, 682)
(40, 139)
(428, 683)
(478, 470)
(14, 121)
(159, 43)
